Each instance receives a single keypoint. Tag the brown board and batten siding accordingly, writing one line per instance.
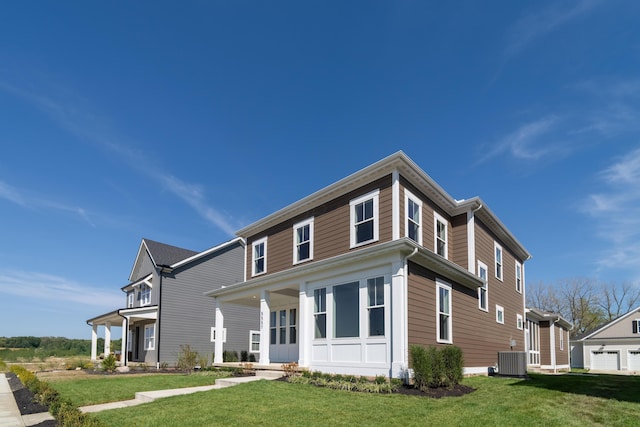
(473, 330)
(331, 229)
(545, 343)
(501, 292)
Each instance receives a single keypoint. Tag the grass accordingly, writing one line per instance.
(94, 389)
(568, 400)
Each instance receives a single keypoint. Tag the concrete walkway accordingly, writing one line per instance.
(9, 412)
(150, 396)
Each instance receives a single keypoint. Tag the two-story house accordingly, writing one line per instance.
(346, 279)
(165, 306)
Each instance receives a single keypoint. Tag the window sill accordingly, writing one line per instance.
(368, 242)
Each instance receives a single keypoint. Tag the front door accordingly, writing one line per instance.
(283, 332)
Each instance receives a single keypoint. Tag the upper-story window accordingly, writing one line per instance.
(635, 326)
(130, 299)
(364, 219)
(413, 217)
(440, 235)
(443, 302)
(145, 294)
(483, 291)
(499, 314)
(498, 260)
(303, 241)
(518, 277)
(259, 250)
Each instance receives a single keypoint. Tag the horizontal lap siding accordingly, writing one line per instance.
(428, 207)
(503, 292)
(458, 249)
(331, 229)
(545, 343)
(474, 331)
(562, 356)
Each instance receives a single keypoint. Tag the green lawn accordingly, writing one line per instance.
(567, 400)
(100, 388)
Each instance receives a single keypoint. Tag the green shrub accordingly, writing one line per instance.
(422, 367)
(188, 358)
(109, 363)
(3, 366)
(453, 365)
(230, 356)
(252, 358)
(436, 368)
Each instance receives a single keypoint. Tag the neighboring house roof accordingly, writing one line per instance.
(537, 314)
(400, 162)
(606, 325)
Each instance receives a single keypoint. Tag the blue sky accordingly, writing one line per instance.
(183, 122)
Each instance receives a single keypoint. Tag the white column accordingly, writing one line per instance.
(304, 339)
(264, 327)
(123, 346)
(94, 342)
(218, 348)
(397, 307)
(107, 338)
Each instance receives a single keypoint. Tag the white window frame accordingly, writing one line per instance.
(256, 243)
(251, 341)
(518, 277)
(130, 299)
(483, 266)
(635, 322)
(375, 305)
(213, 334)
(150, 339)
(439, 218)
(519, 321)
(499, 266)
(499, 311)
(374, 195)
(306, 222)
(317, 311)
(408, 196)
(561, 339)
(443, 285)
(145, 295)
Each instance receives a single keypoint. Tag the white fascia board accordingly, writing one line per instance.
(146, 279)
(207, 252)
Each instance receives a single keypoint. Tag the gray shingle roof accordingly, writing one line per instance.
(164, 254)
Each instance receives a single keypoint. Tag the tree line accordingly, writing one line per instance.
(587, 303)
(55, 345)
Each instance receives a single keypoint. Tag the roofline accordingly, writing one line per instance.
(142, 243)
(404, 246)
(400, 162)
(556, 317)
(140, 280)
(109, 314)
(207, 252)
(608, 324)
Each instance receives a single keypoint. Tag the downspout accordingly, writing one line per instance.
(158, 319)
(405, 266)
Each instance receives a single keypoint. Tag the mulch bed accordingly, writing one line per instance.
(26, 400)
(436, 393)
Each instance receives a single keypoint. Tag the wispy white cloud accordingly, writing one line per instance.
(21, 198)
(535, 25)
(39, 286)
(616, 211)
(94, 130)
(531, 141)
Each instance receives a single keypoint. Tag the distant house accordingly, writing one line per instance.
(164, 306)
(348, 278)
(547, 341)
(614, 346)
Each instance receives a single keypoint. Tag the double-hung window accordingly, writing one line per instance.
(440, 235)
(443, 321)
(320, 312)
(498, 260)
(499, 314)
(483, 291)
(375, 291)
(364, 219)
(150, 337)
(259, 250)
(518, 277)
(145, 294)
(254, 341)
(413, 217)
(303, 241)
(520, 321)
(273, 327)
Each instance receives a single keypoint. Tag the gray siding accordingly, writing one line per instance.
(187, 315)
(142, 267)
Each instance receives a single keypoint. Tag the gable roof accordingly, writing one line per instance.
(606, 325)
(401, 163)
(161, 254)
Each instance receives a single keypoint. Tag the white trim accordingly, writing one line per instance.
(262, 241)
(518, 264)
(471, 242)
(519, 322)
(608, 325)
(439, 218)
(207, 252)
(499, 309)
(482, 265)
(409, 196)
(496, 246)
(444, 285)
(476, 370)
(213, 334)
(374, 195)
(309, 222)
(150, 342)
(395, 205)
(251, 341)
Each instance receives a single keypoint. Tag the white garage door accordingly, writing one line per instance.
(605, 360)
(634, 360)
